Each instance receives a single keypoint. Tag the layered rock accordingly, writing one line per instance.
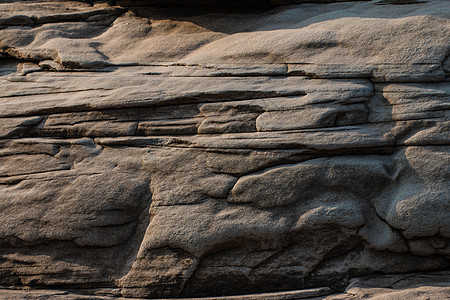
(161, 152)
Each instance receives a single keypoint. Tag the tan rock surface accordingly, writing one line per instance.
(166, 151)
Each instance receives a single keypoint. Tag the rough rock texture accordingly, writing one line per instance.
(159, 151)
(418, 286)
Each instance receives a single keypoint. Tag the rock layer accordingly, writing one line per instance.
(158, 152)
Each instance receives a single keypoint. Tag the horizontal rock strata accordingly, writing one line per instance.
(431, 285)
(151, 151)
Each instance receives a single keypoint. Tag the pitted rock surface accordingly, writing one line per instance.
(151, 150)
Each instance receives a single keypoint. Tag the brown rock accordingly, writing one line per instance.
(149, 150)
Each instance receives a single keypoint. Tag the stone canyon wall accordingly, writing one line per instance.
(185, 149)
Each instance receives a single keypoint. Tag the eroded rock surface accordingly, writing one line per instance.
(157, 151)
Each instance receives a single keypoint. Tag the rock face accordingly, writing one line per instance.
(151, 151)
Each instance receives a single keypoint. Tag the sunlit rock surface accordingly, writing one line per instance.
(149, 149)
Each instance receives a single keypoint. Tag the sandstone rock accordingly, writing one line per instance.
(151, 151)
(418, 286)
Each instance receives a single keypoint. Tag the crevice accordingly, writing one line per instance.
(277, 253)
(365, 150)
(182, 204)
(137, 238)
(185, 100)
(53, 93)
(205, 6)
(136, 134)
(77, 16)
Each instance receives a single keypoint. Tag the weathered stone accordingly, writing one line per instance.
(202, 148)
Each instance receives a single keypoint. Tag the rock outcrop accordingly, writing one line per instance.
(161, 151)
